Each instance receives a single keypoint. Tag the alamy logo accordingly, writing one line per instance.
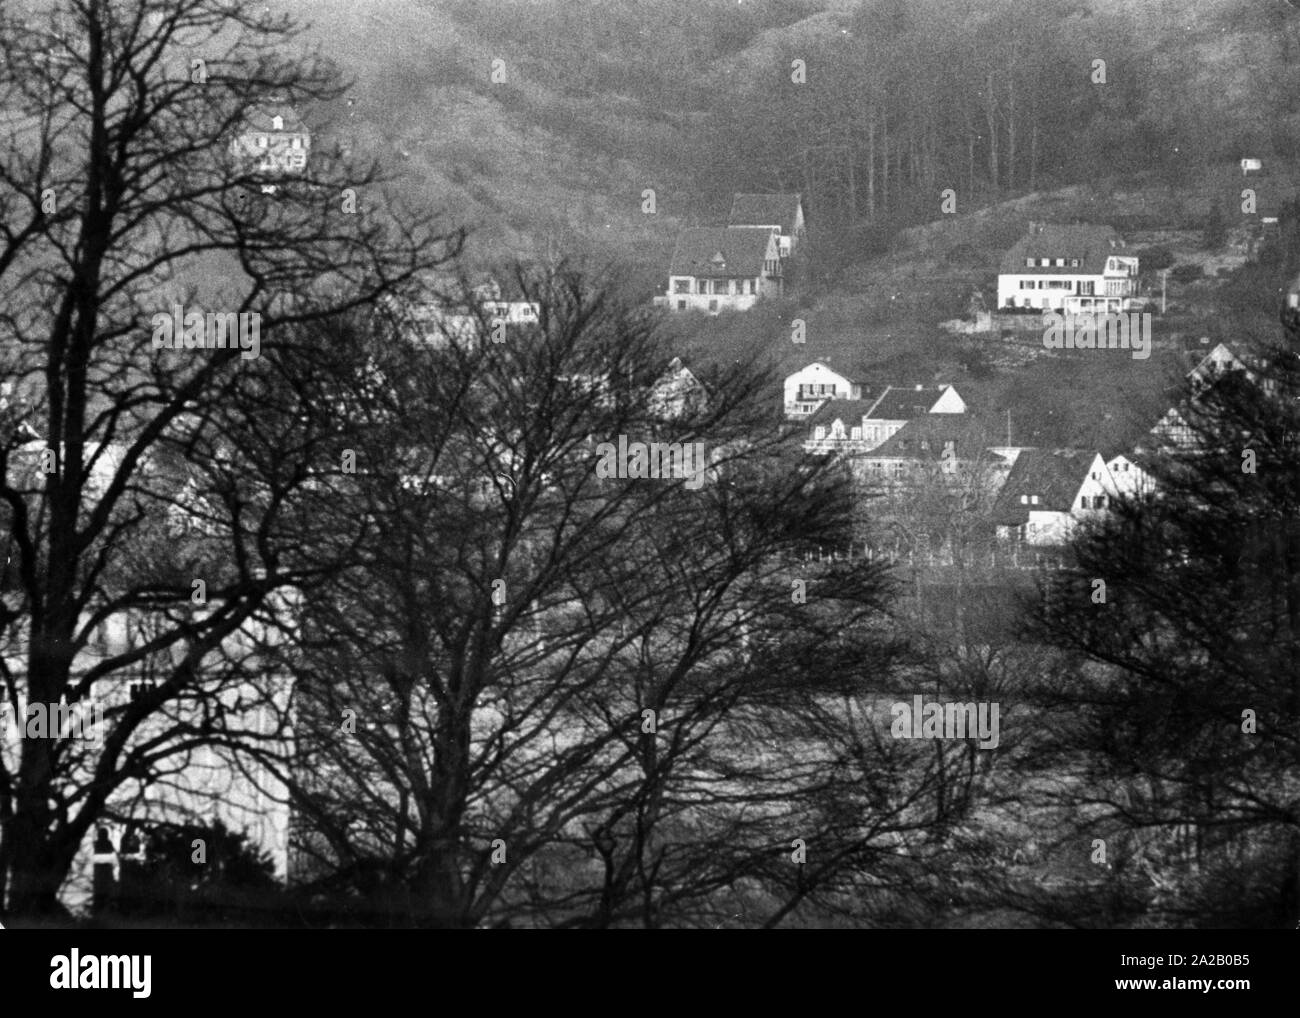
(919, 720)
(82, 720)
(102, 972)
(1087, 331)
(653, 459)
(214, 331)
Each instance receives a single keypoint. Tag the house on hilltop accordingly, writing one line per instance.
(1077, 269)
(721, 268)
(273, 140)
(780, 212)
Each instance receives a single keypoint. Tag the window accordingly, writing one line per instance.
(277, 123)
(1024, 500)
(1099, 502)
(681, 286)
(1044, 262)
(1033, 500)
(1074, 263)
(819, 432)
(701, 286)
(1083, 502)
(857, 433)
(1026, 284)
(751, 286)
(1060, 263)
(1029, 263)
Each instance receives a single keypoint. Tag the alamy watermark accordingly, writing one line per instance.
(934, 720)
(683, 460)
(82, 720)
(195, 330)
(1087, 331)
(132, 972)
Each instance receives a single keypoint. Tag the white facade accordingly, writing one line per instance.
(810, 386)
(1112, 290)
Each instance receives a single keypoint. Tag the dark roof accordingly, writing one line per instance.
(843, 409)
(1092, 245)
(720, 252)
(765, 210)
(898, 403)
(261, 117)
(1054, 475)
(969, 438)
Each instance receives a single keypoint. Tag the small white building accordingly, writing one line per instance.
(273, 139)
(1068, 268)
(810, 386)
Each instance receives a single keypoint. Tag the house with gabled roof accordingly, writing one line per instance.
(1049, 492)
(860, 425)
(723, 268)
(677, 392)
(813, 384)
(273, 140)
(1079, 269)
(780, 212)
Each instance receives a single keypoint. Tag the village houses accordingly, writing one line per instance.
(860, 425)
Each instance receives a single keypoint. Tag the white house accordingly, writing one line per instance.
(780, 212)
(810, 386)
(723, 268)
(273, 140)
(1068, 268)
(858, 425)
(1048, 492)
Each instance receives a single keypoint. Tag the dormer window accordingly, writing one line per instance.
(1060, 263)
(1029, 263)
(1033, 500)
(277, 123)
(718, 260)
(1074, 263)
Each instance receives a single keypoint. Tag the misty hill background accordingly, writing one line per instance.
(693, 98)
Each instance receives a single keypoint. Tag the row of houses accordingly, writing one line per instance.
(899, 436)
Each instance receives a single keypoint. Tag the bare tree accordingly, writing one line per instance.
(118, 200)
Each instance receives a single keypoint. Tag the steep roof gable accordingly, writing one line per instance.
(1054, 475)
(898, 403)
